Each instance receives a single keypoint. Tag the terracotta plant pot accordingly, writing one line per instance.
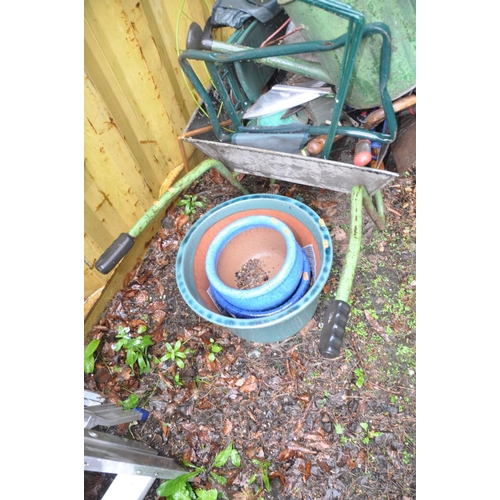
(309, 231)
(269, 244)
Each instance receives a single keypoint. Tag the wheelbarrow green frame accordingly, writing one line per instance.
(220, 60)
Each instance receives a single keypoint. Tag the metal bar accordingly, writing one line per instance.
(112, 454)
(128, 487)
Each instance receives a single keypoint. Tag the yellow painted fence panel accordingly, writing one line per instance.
(136, 104)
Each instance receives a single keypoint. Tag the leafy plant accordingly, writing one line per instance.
(180, 489)
(136, 348)
(360, 377)
(264, 473)
(190, 203)
(214, 349)
(177, 379)
(228, 453)
(130, 403)
(88, 356)
(368, 434)
(175, 354)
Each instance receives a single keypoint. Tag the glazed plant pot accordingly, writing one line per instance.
(310, 233)
(244, 312)
(267, 243)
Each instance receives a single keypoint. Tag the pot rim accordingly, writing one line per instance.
(241, 203)
(238, 227)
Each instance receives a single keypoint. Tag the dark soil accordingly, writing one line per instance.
(251, 275)
(342, 428)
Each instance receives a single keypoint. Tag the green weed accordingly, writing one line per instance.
(180, 488)
(135, 347)
(88, 356)
(214, 349)
(175, 354)
(190, 203)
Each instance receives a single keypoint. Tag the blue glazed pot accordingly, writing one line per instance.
(276, 249)
(302, 287)
(309, 230)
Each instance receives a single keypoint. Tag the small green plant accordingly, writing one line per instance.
(228, 453)
(348, 354)
(177, 379)
(264, 473)
(360, 377)
(214, 349)
(130, 403)
(175, 354)
(180, 488)
(88, 356)
(190, 203)
(326, 394)
(368, 434)
(136, 348)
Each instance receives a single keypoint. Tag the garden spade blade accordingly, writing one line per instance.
(283, 97)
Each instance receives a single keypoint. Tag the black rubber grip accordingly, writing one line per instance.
(333, 329)
(108, 260)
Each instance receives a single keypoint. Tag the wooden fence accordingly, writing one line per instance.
(137, 102)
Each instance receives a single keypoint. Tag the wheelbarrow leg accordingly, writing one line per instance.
(337, 313)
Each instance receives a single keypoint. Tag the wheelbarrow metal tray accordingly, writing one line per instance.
(307, 170)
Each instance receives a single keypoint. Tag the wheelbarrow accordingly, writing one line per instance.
(212, 132)
(234, 91)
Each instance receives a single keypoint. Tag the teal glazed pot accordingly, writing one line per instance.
(310, 232)
(272, 244)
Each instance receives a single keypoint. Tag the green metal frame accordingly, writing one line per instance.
(220, 65)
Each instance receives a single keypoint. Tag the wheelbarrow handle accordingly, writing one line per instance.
(114, 253)
(333, 329)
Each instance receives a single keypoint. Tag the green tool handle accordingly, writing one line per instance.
(110, 258)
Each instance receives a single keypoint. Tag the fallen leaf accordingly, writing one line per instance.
(159, 288)
(361, 458)
(323, 466)
(286, 454)
(306, 471)
(250, 384)
(165, 428)
(373, 322)
(158, 317)
(157, 335)
(228, 427)
(157, 305)
(338, 234)
(309, 326)
(301, 449)
(181, 221)
(141, 297)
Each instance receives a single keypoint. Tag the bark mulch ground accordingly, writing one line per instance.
(303, 426)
